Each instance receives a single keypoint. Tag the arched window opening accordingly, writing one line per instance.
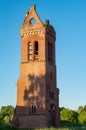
(29, 51)
(36, 50)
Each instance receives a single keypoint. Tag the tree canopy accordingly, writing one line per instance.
(6, 114)
(82, 115)
(72, 116)
(68, 115)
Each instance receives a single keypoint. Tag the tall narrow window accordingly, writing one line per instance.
(36, 50)
(51, 53)
(30, 51)
(48, 51)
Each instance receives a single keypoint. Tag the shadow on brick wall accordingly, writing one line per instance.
(34, 94)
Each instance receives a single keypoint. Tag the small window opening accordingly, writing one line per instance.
(32, 21)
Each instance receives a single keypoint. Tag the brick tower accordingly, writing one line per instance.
(37, 94)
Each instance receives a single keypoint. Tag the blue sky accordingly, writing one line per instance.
(69, 20)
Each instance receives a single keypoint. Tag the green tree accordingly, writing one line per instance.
(1, 118)
(82, 115)
(84, 108)
(69, 115)
(6, 114)
(80, 108)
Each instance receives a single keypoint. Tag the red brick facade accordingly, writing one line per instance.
(37, 94)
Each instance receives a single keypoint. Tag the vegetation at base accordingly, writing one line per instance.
(70, 119)
(65, 126)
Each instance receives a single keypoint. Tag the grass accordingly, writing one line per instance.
(65, 126)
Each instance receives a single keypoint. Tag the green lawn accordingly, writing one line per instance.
(65, 126)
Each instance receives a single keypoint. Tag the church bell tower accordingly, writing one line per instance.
(37, 94)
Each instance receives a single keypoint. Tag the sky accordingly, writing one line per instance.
(69, 20)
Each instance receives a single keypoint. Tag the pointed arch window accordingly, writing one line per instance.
(30, 51)
(36, 50)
